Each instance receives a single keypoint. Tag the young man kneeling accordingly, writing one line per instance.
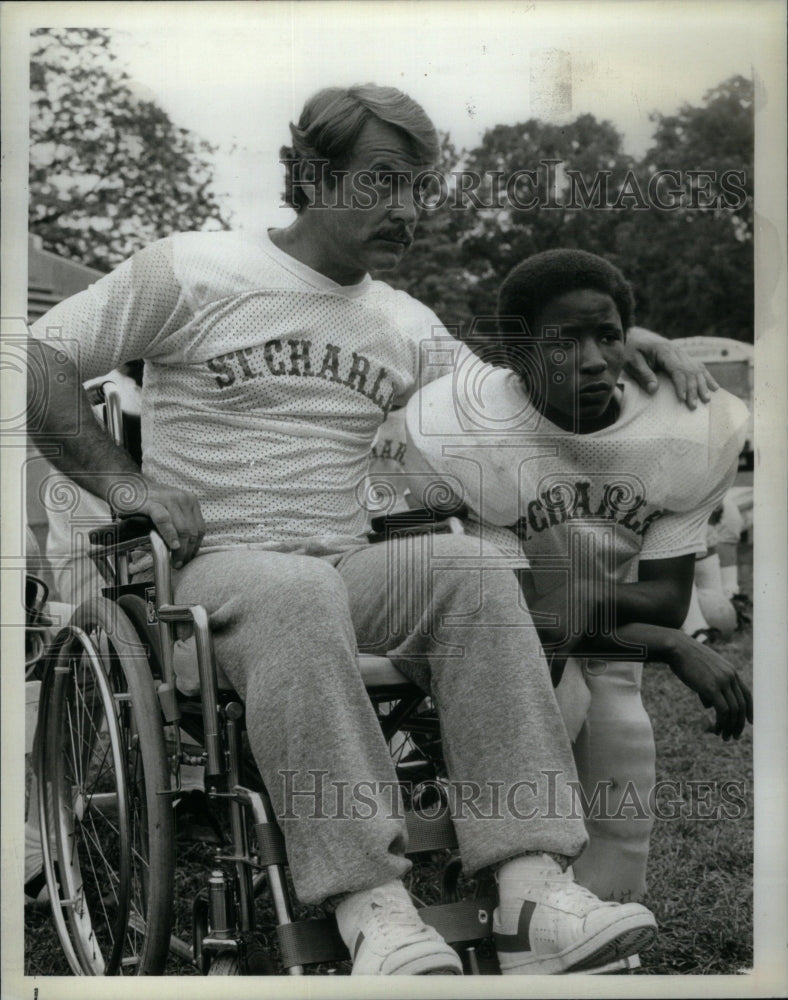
(606, 490)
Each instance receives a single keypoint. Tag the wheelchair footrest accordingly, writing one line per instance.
(463, 922)
(308, 942)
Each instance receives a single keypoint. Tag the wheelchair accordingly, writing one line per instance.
(115, 732)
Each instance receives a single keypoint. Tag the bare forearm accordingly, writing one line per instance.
(60, 414)
(654, 602)
(700, 668)
(629, 640)
(641, 641)
(660, 596)
(572, 618)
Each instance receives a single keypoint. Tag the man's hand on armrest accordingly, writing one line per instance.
(175, 513)
(648, 352)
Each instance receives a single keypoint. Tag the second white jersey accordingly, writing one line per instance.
(642, 488)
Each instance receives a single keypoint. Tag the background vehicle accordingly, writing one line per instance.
(731, 364)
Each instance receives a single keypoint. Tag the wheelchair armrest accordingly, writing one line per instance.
(417, 517)
(128, 529)
(139, 526)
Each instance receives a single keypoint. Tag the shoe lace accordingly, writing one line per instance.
(581, 895)
(581, 892)
(389, 911)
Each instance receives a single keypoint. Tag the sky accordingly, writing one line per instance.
(238, 73)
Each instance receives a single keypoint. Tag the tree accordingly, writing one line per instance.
(684, 238)
(556, 183)
(525, 188)
(109, 171)
(693, 265)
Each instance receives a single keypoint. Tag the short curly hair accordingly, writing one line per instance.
(536, 281)
(329, 126)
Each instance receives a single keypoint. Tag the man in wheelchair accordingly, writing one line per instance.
(269, 364)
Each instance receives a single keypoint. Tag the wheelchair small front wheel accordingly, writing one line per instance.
(225, 964)
(106, 820)
(254, 961)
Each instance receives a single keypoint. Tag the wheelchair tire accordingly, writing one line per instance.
(107, 830)
(256, 962)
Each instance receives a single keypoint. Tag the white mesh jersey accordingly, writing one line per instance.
(642, 488)
(264, 380)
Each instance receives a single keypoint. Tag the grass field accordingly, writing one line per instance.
(700, 866)
(700, 869)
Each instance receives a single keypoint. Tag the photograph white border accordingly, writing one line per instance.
(771, 542)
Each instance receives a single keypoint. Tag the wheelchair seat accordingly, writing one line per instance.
(376, 671)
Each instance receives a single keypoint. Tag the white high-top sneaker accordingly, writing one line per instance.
(547, 924)
(386, 936)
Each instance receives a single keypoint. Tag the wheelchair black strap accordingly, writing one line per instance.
(429, 834)
(306, 942)
(463, 922)
(125, 530)
(271, 844)
(403, 519)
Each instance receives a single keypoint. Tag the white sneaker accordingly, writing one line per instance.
(386, 936)
(547, 924)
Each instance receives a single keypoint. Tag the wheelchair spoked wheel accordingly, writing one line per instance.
(417, 754)
(107, 829)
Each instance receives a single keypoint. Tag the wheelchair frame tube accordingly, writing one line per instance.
(113, 412)
(263, 813)
(232, 715)
(113, 418)
(209, 692)
(162, 578)
(196, 615)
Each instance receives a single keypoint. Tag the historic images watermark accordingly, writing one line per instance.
(547, 185)
(313, 795)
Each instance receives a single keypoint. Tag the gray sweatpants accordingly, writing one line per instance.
(286, 631)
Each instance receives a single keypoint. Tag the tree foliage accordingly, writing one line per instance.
(693, 268)
(684, 240)
(538, 211)
(109, 171)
